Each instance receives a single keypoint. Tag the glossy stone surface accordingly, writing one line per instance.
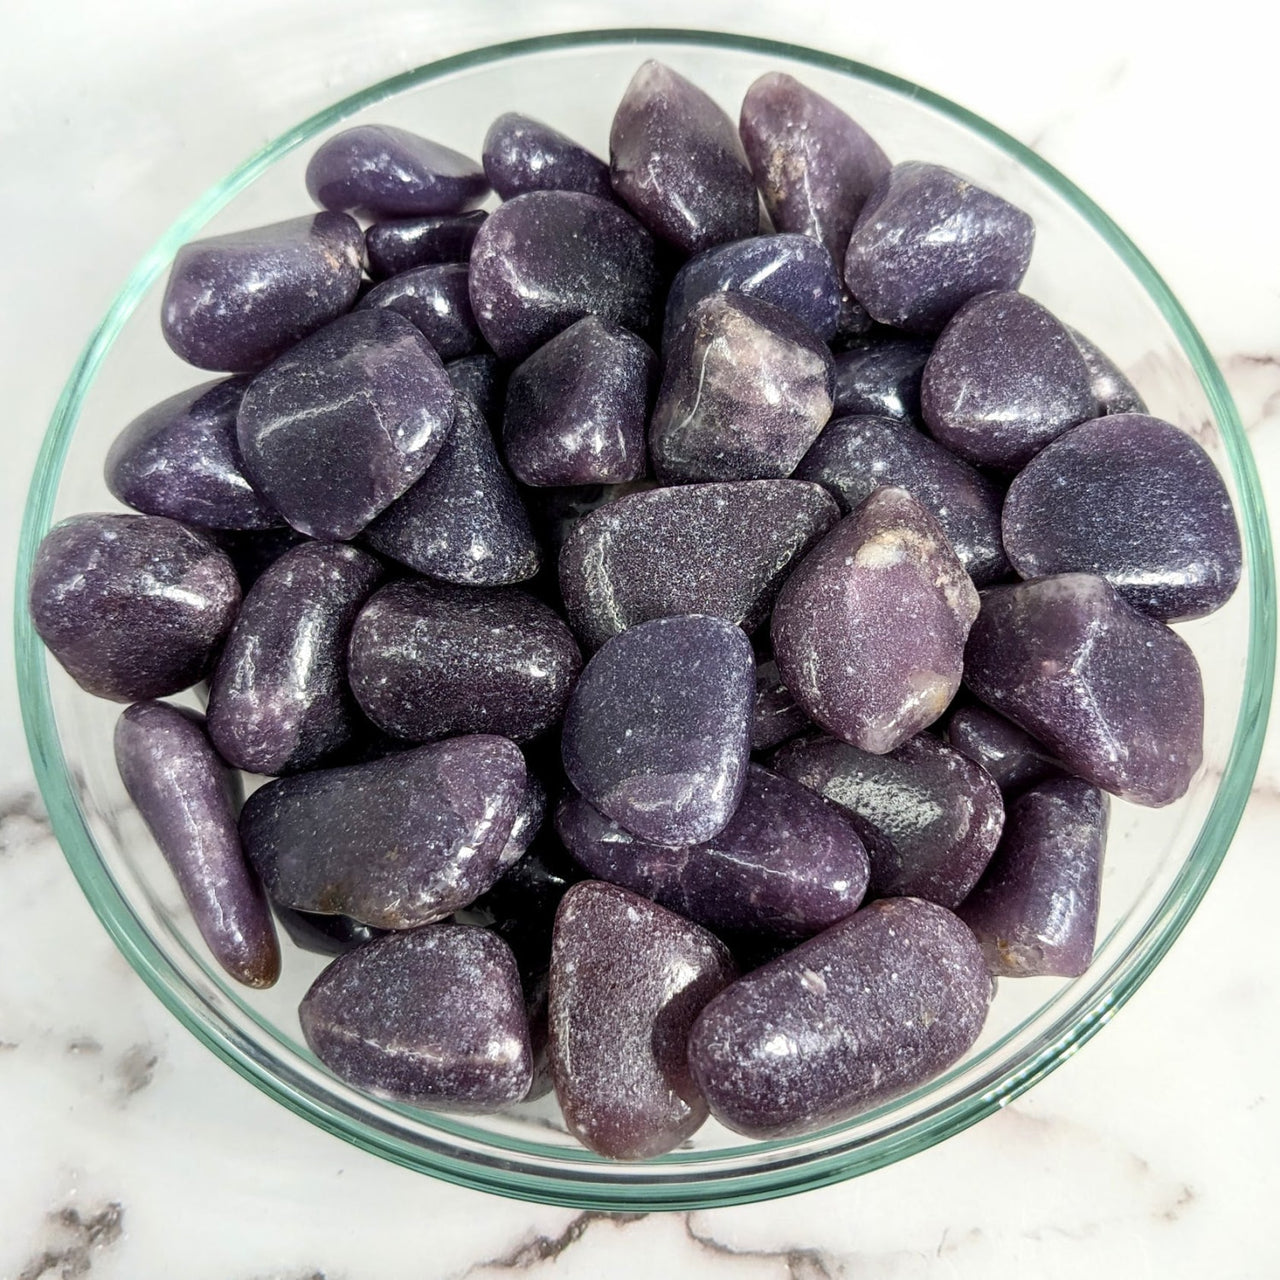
(577, 408)
(745, 390)
(527, 825)
(1004, 379)
(1113, 693)
(278, 700)
(434, 1017)
(481, 378)
(133, 607)
(928, 240)
(722, 549)
(881, 377)
(532, 274)
(428, 660)
(676, 160)
(188, 799)
(657, 731)
(1138, 502)
(380, 169)
(522, 154)
(437, 301)
(1011, 756)
(337, 429)
(401, 841)
(854, 456)
(325, 935)
(627, 981)
(400, 244)
(1112, 391)
(463, 521)
(776, 716)
(235, 302)
(522, 904)
(929, 816)
(874, 1006)
(869, 630)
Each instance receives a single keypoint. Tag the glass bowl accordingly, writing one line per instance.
(1159, 862)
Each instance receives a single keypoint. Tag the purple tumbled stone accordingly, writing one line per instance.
(869, 630)
(1011, 756)
(531, 814)
(878, 1004)
(278, 700)
(521, 154)
(437, 301)
(881, 376)
(480, 378)
(776, 716)
(627, 981)
(1113, 693)
(1112, 391)
(133, 607)
(188, 799)
(400, 244)
(434, 1017)
(657, 731)
(928, 240)
(325, 935)
(235, 302)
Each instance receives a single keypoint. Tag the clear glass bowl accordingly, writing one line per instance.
(1159, 862)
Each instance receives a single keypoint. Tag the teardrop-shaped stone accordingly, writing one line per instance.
(1112, 391)
(522, 154)
(1011, 756)
(436, 300)
(776, 716)
(881, 377)
(400, 244)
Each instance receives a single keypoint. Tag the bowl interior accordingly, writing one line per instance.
(1158, 861)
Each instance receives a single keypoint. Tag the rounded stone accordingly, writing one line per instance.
(400, 244)
(522, 154)
(1112, 391)
(436, 300)
(881, 376)
(1012, 757)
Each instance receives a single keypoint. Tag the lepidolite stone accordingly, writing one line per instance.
(401, 841)
(278, 700)
(776, 716)
(929, 816)
(527, 824)
(881, 377)
(722, 549)
(1112, 391)
(237, 301)
(1113, 693)
(400, 244)
(869, 630)
(521, 154)
(480, 378)
(558, 511)
(1138, 502)
(657, 731)
(1011, 756)
(627, 981)
(325, 935)
(434, 1017)
(745, 390)
(436, 300)
(188, 799)
(877, 1004)
(253, 551)
(133, 607)
(337, 429)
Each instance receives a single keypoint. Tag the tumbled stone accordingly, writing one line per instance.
(1112, 391)
(548, 258)
(1003, 380)
(722, 549)
(881, 377)
(928, 240)
(928, 815)
(1012, 757)
(253, 551)
(133, 607)
(657, 731)
(1136, 501)
(522, 904)
(745, 390)
(401, 841)
(878, 1004)
(463, 521)
(400, 244)
(522, 154)
(325, 935)
(675, 158)
(481, 378)
(577, 408)
(278, 700)
(434, 1017)
(188, 799)
(776, 716)
(557, 512)
(437, 301)
(531, 814)
(1113, 693)
(627, 981)
(869, 630)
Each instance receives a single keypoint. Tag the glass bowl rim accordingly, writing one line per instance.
(589, 1185)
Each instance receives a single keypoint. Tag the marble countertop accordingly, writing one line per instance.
(128, 1152)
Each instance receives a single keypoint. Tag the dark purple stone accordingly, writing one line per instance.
(1013, 758)
(400, 244)
(776, 716)
(1113, 693)
(133, 607)
(521, 154)
(557, 512)
(254, 551)
(521, 906)
(325, 935)
(1112, 391)
(237, 301)
(437, 301)
(881, 377)
(481, 378)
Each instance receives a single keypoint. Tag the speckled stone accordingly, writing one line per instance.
(133, 607)
(400, 244)
(1138, 502)
(928, 240)
(1003, 380)
(881, 376)
(1112, 391)
(722, 549)
(278, 700)
(876, 1005)
(481, 378)
(657, 732)
(577, 408)
(869, 630)
(325, 935)
(745, 390)
(776, 716)
(399, 842)
(627, 981)
(526, 826)
(548, 258)
(188, 799)
(1113, 693)
(434, 1017)
(522, 154)
(235, 302)
(1012, 757)
(437, 301)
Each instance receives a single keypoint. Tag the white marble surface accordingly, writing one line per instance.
(127, 1152)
